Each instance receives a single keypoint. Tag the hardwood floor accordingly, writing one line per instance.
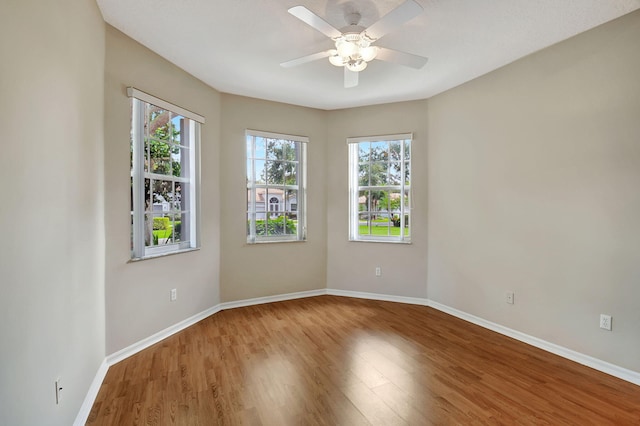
(340, 361)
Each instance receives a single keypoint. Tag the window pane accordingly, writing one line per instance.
(147, 195)
(181, 196)
(162, 195)
(407, 173)
(290, 224)
(363, 201)
(395, 148)
(249, 171)
(289, 151)
(378, 175)
(148, 230)
(278, 171)
(395, 173)
(260, 150)
(150, 237)
(180, 161)
(290, 173)
(156, 123)
(274, 150)
(407, 149)
(383, 203)
(291, 200)
(364, 149)
(160, 157)
(379, 151)
(363, 174)
(260, 171)
(176, 131)
(364, 224)
(261, 197)
(162, 229)
(377, 201)
(275, 224)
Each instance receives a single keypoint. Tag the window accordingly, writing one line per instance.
(164, 176)
(275, 187)
(380, 188)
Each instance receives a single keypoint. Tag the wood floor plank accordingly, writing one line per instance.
(334, 360)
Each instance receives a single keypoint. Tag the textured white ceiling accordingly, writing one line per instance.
(236, 46)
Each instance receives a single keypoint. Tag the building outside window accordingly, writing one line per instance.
(276, 176)
(380, 188)
(164, 176)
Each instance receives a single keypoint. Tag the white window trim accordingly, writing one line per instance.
(140, 252)
(301, 199)
(354, 188)
(132, 92)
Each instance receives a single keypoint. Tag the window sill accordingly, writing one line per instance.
(256, 243)
(155, 256)
(381, 241)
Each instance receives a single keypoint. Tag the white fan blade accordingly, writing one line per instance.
(402, 58)
(305, 59)
(310, 18)
(392, 20)
(350, 78)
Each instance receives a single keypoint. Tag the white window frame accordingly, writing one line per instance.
(139, 100)
(253, 186)
(355, 188)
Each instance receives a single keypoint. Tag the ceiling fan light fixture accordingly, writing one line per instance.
(346, 48)
(354, 44)
(336, 59)
(356, 65)
(368, 53)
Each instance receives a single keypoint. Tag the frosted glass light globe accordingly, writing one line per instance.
(336, 59)
(368, 53)
(346, 48)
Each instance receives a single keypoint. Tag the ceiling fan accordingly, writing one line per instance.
(354, 44)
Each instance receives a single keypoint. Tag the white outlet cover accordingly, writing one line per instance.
(510, 297)
(605, 322)
(58, 391)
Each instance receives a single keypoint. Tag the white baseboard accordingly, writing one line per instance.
(580, 358)
(89, 399)
(378, 296)
(271, 299)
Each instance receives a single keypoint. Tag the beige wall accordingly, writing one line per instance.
(52, 251)
(256, 270)
(534, 177)
(137, 294)
(351, 265)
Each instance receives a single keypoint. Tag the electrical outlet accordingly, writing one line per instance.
(174, 294)
(605, 322)
(58, 391)
(510, 297)
(378, 271)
